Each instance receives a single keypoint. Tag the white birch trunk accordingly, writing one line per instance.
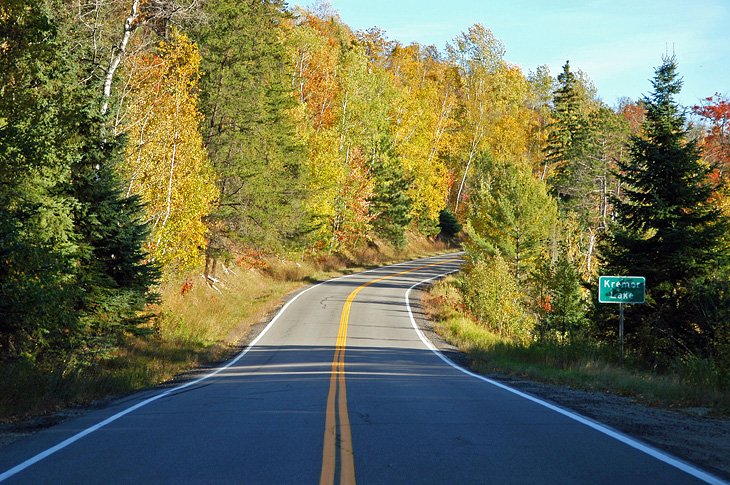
(130, 24)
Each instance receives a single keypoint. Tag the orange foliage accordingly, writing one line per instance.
(716, 142)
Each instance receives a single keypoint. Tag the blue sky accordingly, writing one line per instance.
(617, 43)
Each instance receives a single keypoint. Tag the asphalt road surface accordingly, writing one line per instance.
(340, 387)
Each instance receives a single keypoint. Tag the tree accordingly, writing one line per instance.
(476, 54)
(74, 278)
(584, 142)
(107, 30)
(38, 243)
(248, 130)
(563, 308)
(716, 142)
(511, 215)
(666, 227)
(423, 117)
(166, 164)
(492, 295)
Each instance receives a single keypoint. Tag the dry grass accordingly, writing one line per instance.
(205, 315)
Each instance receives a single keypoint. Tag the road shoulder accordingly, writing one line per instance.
(700, 440)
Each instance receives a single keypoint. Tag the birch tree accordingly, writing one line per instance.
(166, 164)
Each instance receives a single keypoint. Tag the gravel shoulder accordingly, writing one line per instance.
(700, 440)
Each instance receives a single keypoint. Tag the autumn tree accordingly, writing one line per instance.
(716, 142)
(476, 54)
(423, 115)
(166, 164)
(495, 118)
(107, 32)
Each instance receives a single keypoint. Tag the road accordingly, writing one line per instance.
(339, 388)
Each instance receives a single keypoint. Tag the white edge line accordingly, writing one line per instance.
(63, 444)
(659, 455)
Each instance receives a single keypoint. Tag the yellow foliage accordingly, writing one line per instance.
(167, 165)
(423, 117)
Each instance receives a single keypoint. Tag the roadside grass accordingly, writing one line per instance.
(581, 365)
(196, 325)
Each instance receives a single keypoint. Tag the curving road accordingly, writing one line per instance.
(339, 388)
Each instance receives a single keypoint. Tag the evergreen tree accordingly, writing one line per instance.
(38, 243)
(570, 151)
(390, 199)
(567, 124)
(73, 278)
(113, 277)
(563, 312)
(248, 131)
(666, 227)
(449, 225)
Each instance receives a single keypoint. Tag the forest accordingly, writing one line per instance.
(145, 140)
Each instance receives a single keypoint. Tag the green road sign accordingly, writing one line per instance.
(621, 289)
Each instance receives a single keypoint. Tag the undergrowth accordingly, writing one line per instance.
(582, 365)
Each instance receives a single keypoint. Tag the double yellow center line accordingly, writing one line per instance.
(337, 434)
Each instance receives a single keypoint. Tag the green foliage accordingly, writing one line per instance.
(113, 275)
(249, 135)
(449, 225)
(667, 228)
(569, 122)
(390, 201)
(563, 308)
(511, 215)
(37, 238)
(73, 280)
(583, 140)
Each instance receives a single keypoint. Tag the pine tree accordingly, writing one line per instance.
(249, 135)
(390, 201)
(567, 127)
(666, 227)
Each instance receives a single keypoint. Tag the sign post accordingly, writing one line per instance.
(621, 328)
(621, 290)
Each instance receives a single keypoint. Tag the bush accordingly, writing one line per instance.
(491, 295)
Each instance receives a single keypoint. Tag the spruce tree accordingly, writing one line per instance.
(390, 201)
(666, 226)
(567, 123)
(113, 273)
(38, 243)
(73, 279)
(571, 151)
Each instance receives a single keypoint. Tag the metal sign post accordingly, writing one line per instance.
(621, 329)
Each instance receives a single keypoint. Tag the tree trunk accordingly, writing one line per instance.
(118, 52)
